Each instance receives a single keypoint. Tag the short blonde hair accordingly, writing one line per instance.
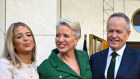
(9, 52)
(72, 24)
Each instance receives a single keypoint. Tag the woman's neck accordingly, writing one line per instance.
(26, 59)
(67, 56)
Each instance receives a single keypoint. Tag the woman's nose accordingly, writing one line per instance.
(61, 39)
(25, 37)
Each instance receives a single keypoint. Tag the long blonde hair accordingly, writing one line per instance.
(9, 52)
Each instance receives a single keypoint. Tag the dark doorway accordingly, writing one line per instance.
(134, 44)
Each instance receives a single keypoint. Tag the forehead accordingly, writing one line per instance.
(21, 29)
(117, 19)
(116, 22)
(64, 28)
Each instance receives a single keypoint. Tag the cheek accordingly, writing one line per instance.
(127, 36)
(32, 40)
(123, 37)
(108, 37)
(33, 44)
(76, 41)
(16, 42)
(56, 40)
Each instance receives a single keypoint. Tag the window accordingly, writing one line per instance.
(136, 20)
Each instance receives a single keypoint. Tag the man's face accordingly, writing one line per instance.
(117, 33)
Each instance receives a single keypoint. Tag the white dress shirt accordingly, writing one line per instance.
(118, 60)
(8, 71)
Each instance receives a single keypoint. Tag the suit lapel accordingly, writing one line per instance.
(82, 62)
(125, 62)
(103, 61)
(59, 64)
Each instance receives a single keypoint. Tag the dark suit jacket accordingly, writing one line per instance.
(129, 66)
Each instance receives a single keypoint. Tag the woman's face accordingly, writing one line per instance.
(65, 40)
(23, 40)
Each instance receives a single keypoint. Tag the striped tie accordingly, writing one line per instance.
(111, 68)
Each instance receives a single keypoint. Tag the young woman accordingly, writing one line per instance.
(19, 54)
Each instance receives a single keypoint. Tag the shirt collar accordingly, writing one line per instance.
(119, 52)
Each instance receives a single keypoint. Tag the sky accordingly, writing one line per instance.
(137, 28)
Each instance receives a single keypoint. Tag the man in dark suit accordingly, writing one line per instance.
(126, 63)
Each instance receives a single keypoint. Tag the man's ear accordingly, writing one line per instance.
(129, 32)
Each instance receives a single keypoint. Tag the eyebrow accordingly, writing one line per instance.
(21, 33)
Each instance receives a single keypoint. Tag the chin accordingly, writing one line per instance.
(114, 46)
(61, 50)
(28, 50)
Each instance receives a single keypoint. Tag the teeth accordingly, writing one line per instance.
(61, 45)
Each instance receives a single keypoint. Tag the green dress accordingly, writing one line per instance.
(55, 68)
